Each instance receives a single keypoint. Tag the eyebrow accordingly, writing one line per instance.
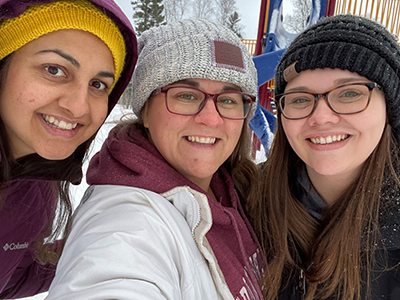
(347, 80)
(74, 62)
(106, 74)
(197, 85)
(335, 82)
(63, 55)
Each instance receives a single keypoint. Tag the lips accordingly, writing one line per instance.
(329, 139)
(58, 124)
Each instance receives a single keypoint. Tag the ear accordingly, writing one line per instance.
(144, 114)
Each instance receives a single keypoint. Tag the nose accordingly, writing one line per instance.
(209, 114)
(75, 101)
(323, 114)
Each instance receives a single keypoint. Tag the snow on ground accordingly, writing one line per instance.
(77, 191)
(116, 114)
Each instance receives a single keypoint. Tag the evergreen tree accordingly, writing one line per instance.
(226, 14)
(157, 9)
(147, 13)
(233, 24)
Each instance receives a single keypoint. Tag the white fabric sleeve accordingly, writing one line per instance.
(119, 248)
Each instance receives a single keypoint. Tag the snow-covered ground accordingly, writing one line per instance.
(77, 191)
(116, 114)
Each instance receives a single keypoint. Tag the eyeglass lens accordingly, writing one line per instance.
(346, 99)
(189, 101)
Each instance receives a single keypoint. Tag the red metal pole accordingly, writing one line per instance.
(261, 25)
(330, 8)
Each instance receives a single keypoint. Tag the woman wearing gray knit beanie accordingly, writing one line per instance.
(329, 214)
(163, 218)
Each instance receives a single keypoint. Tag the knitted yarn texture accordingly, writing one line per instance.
(191, 49)
(349, 43)
(40, 19)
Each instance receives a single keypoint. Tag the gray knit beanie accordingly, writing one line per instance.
(191, 49)
(349, 43)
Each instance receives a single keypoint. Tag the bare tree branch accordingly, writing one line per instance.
(298, 21)
(176, 10)
(224, 8)
(203, 9)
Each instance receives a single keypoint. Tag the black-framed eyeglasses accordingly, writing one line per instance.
(189, 101)
(345, 99)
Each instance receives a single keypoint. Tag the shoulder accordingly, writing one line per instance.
(28, 204)
(134, 234)
(385, 276)
(104, 198)
(126, 208)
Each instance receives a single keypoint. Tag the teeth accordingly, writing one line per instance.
(201, 140)
(59, 124)
(329, 139)
(62, 124)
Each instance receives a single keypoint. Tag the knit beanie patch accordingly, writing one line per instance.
(191, 49)
(349, 43)
(38, 20)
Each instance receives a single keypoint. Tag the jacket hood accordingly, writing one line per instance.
(130, 159)
(13, 8)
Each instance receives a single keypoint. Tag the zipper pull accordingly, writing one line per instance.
(301, 286)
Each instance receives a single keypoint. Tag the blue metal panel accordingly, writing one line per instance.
(278, 38)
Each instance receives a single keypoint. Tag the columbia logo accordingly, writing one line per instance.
(16, 246)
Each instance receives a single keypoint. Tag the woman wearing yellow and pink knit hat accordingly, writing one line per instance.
(63, 67)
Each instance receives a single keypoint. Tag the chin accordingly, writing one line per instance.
(54, 156)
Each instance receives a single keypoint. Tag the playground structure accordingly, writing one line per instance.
(386, 12)
(273, 38)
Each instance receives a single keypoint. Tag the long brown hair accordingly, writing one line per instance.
(335, 264)
(60, 172)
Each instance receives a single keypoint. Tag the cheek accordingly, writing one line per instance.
(238, 130)
(373, 132)
(373, 123)
(163, 129)
(288, 129)
(99, 113)
(292, 130)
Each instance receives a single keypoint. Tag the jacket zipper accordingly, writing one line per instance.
(300, 288)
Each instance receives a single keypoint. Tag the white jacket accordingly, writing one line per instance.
(131, 243)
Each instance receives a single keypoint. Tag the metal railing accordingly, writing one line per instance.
(385, 12)
(251, 45)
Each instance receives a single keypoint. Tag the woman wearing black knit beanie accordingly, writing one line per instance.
(328, 217)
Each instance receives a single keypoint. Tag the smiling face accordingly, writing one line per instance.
(331, 144)
(196, 146)
(54, 93)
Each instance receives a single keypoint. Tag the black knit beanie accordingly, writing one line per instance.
(349, 43)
